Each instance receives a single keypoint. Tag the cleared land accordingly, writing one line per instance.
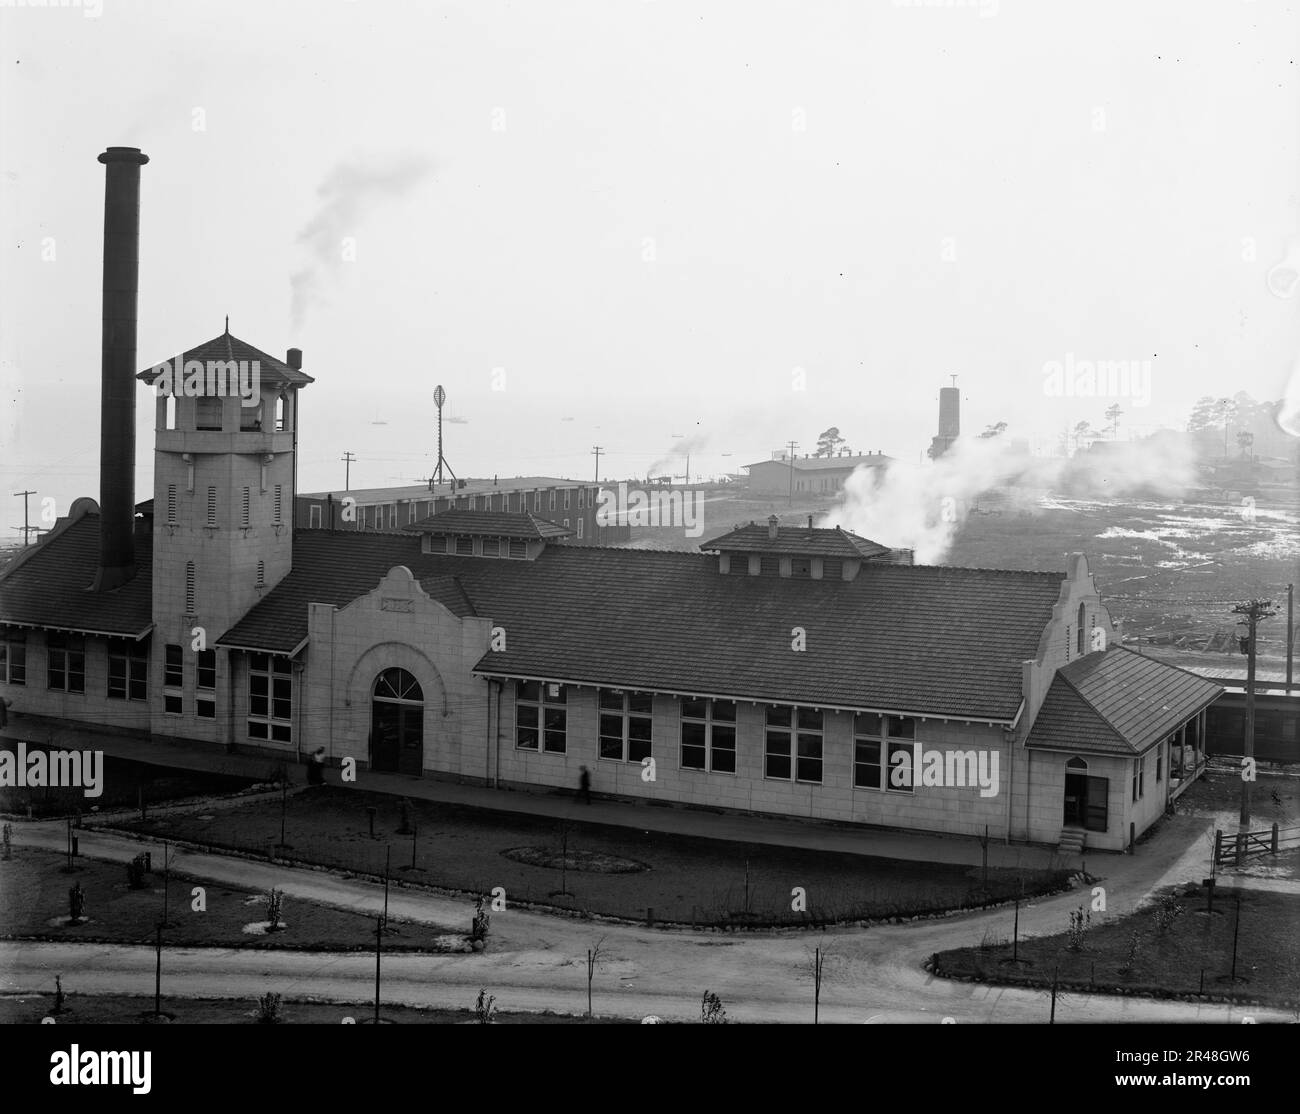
(687, 880)
(36, 884)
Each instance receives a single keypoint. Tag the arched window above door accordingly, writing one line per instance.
(398, 684)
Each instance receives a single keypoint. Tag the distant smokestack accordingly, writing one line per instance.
(117, 367)
(949, 412)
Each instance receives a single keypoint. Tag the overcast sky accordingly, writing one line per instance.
(649, 214)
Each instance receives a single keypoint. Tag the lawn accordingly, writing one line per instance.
(36, 904)
(623, 872)
(1192, 955)
(118, 1009)
(123, 783)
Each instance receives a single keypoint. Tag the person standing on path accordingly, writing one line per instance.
(316, 771)
(584, 785)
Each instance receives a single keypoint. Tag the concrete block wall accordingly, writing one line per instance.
(399, 626)
(929, 808)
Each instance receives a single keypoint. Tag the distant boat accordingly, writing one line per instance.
(566, 419)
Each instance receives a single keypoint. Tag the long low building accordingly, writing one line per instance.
(791, 672)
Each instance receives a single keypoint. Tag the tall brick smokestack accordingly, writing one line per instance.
(117, 368)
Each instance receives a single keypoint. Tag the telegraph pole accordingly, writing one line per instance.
(1290, 631)
(596, 451)
(1254, 610)
(792, 445)
(349, 457)
(27, 530)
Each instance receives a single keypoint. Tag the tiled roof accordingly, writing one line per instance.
(227, 347)
(336, 568)
(923, 639)
(801, 540)
(492, 524)
(1117, 702)
(47, 585)
(824, 463)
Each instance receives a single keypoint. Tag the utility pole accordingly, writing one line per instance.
(791, 445)
(27, 530)
(596, 451)
(1254, 610)
(1290, 631)
(349, 457)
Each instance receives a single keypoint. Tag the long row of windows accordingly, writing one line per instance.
(270, 680)
(793, 736)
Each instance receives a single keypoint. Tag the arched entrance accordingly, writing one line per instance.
(1086, 797)
(397, 723)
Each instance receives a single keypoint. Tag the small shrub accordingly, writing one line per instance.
(1079, 922)
(1168, 910)
(76, 904)
(274, 908)
(404, 817)
(8, 832)
(483, 1008)
(268, 1010)
(135, 872)
(712, 1011)
(1134, 951)
(58, 994)
(479, 930)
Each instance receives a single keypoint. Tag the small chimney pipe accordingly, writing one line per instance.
(771, 527)
(294, 358)
(117, 367)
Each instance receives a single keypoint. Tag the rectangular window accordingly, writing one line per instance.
(13, 658)
(580, 521)
(128, 670)
(625, 723)
(212, 506)
(438, 543)
(173, 679)
(806, 738)
(189, 587)
(808, 764)
(541, 716)
(314, 516)
(66, 662)
(491, 547)
(566, 523)
(708, 735)
(582, 501)
(518, 547)
(279, 504)
(567, 496)
(270, 698)
(392, 517)
(552, 499)
(875, 736)
(261, 574)
(777, 746)
(206, 683)
(1160, 762)
(171, 502)
(244, 508)
(464, 546)
(473, 502)
(207, 412)
(410, 512)
(537, 502)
